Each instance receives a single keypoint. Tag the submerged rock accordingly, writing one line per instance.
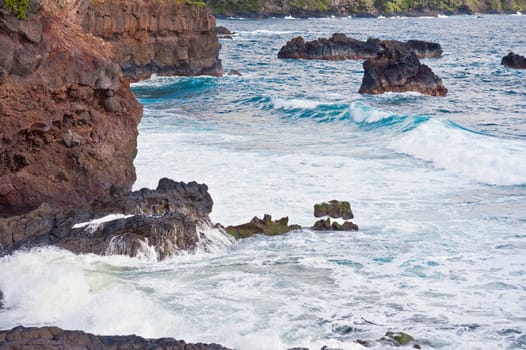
(164, 221)
(341, 47)
(52, 338)
(397, 69)
(513, 60)
(265, 226)
(391, 339)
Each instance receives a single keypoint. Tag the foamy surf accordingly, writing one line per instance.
(475, 156)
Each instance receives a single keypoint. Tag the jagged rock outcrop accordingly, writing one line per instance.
(341, 47)
(512, 60)
(163, 37)
(396, 68)
(54, 338)
(69, 120)
(167, 220)
(336, 210)
(265, 226)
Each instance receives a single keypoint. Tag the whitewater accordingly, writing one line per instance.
(437, 186)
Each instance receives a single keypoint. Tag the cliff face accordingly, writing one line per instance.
(69, 120)
(165, 37)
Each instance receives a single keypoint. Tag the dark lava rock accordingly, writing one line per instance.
(220, 30)
(514, 61)
(341, 47)
(54, 338)
(169, 219)
(326, 225)
(334, 209)
(338, 47)
(265, 227)
(425, 49)
(397, 69)
(234, 72)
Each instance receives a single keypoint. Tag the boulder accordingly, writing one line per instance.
(514, 61)
(265, 226)
(425, 49)
(341, 47)
(220, 30)
(327, 225)
(52, 338)
(397, 69)
(335, 209)
(165, 221)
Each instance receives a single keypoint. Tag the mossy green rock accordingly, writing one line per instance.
(327, 225)
(265, 226)
(334, 209)
(397, 339)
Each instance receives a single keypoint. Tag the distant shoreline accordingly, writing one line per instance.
(413, 14)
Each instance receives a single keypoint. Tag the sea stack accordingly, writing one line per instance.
(397, 69)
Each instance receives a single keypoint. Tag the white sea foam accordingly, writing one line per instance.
(94, 224)
(481, 158)
(363, 113)
(295, 103)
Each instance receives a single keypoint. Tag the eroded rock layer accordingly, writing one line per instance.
(69, 120)
(164, 37)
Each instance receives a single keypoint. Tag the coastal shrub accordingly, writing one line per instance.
(18, 7)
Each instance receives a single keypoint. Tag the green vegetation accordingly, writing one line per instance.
(18, 7)
(374, 7)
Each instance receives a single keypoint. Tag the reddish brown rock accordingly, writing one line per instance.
(69, 120)
(397, 69)
(163, 37)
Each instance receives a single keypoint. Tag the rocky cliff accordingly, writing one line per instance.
(69, 120)
(164, 37)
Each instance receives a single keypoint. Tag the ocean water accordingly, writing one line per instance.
(437, 186)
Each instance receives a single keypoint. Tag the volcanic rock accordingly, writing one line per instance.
(514, 61)
(335, 209)
(167, 220)
(53, 338)
(327, 225)
(341, 47)
(61, 142)
(338, 47)
(154, 36)
(265, 226)
(396, 68)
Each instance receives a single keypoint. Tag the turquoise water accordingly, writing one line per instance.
(437, 185)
